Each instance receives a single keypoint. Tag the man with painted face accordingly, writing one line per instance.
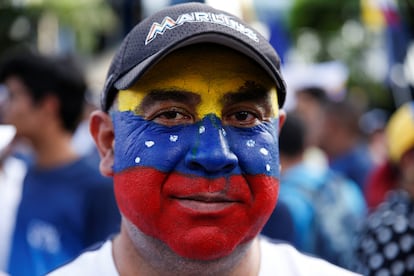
(189, 132)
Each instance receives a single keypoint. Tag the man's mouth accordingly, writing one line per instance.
(206, 202)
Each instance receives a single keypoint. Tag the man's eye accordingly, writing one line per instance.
(242, 119)
(172, 117)
(242, 116)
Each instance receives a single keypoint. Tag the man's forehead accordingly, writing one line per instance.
(211, 72)
(210, 58)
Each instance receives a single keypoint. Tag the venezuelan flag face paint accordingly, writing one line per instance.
(196, 151)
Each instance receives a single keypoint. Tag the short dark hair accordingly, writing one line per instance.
(344, 113)
(292, 136)
(315, 92)
(60, 76)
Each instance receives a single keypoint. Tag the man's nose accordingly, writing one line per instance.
(211, 152)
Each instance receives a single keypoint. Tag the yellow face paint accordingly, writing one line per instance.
(210, 72)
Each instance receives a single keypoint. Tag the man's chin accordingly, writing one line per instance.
(202, 245)
(206, 243)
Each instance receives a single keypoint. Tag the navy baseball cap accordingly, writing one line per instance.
(182, 25)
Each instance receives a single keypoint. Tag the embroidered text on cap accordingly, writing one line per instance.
(168, 23)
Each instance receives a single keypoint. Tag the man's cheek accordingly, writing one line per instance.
(256, 149)
(265, 190)
(138, 194)
(142, 143)
(204, 239)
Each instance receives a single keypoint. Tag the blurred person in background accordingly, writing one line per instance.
(325, 206)
(309, 105)
(343, 143)
(12, 171)
(82, 140)
(385, 243)
(386, 176)
(280, 225)
(372, 123)
(66, 205)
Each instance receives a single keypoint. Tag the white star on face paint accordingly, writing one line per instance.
(149, 143)
(137, 160)
(264, 151)
(250, 143)
(202, 129)
(268, 167)
(173, 138)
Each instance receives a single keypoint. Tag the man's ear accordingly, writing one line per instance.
(282, 119)
(51, 105)
(102, 131)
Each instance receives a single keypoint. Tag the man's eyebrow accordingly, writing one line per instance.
(250, 91)
(160, 95)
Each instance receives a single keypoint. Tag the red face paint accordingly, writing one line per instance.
(196, 157)
(243, 206)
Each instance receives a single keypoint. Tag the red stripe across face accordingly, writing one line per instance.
(167, 207)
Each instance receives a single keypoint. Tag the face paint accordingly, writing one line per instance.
(203, 184)
(211, 85)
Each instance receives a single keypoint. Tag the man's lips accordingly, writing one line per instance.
(224, 190)
(206, 202)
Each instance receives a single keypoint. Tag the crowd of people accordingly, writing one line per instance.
(60, 203)
(196, 168)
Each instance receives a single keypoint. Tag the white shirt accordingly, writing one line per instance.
(11, 178)
(276, 259)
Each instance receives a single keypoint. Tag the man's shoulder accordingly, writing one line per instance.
(96, 260)
(283, 259)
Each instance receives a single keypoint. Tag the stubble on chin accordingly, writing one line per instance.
(157, 258)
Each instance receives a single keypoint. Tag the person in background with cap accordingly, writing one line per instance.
(385, 243)
(399, 138)
(66, 204)
(189, 132)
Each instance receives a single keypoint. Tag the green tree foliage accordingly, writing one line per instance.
(325, 16)
(329, 21)
(406, 9)
(88, 20)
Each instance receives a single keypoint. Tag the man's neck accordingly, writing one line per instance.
(132, 261)
(54, 150)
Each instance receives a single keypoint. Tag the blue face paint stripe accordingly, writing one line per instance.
(142, 143)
